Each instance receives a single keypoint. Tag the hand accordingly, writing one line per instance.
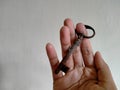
(88, 71)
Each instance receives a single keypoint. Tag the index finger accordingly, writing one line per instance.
(53, 59)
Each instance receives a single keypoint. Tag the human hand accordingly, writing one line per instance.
(88, 71)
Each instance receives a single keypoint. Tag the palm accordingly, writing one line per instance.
(81, 79)
(87, 78)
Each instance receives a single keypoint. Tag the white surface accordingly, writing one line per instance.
(27, 25)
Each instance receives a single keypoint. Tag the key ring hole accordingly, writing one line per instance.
(85, 36)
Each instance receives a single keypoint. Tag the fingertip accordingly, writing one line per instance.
(80, 27)
(98, 53)
(67, 21)
(98, 56)
(64, 29)
(80, 24)
(51, 52)
(48, 46)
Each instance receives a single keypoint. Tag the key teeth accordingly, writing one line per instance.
(56, 71)
(64, 68)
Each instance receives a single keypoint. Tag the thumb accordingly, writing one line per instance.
(104, 73)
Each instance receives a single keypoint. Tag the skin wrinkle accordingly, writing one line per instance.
(76, 75)
(85, 75)
(53, 59)
(87, 52)
(88, 55)
(72, 78)
(78, 56)
(86, 84)
(72, 87)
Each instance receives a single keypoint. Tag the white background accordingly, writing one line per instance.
(27, 25)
